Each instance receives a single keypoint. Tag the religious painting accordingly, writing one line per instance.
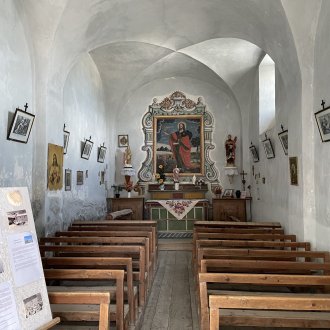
(55, 167)
(123, 141)
(80, 178)
(67, 179)
(268, 148)
(179, 142)
(21, 126)
(87, 149)
(101, 154)
(254, 153)
(284, 138)
(323, 123)
(293, 166)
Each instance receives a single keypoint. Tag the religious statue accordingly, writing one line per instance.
(128, 157)
(176, 172)
(230, 146)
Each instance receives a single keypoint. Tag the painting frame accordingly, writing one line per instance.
(293, 168)
(268, 147)
(254, 153)
(66, 137)
(123, 141)
(164, 129)
(87, 149)
(284, 138)
(228, 193)
(101, 154)
(322, 118)
(54, 167)
(80, 178)
(67, 179)
(21, 126)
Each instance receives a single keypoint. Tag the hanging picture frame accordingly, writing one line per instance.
(284, 138)
(66, 136)
(101, 154)
(323, 123)
(254, 153)
(267, 143)
(68, 179)
(123, 141)
(21, 126)
(87, 148)
(293, 166)
(80, 178)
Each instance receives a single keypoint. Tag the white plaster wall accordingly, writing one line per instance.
(269, 199)
(219, 101)
(84, 116)
(321, 153)
(15, 91)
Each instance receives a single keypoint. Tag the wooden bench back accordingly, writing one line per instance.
(234, 224)
(253, 279)
(94, 298)
(95, 274)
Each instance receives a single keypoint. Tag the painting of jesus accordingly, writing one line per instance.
(178, 142)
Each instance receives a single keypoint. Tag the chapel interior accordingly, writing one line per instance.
(109, 75)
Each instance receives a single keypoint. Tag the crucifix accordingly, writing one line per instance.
(26, 106)
(323, 103)
(243, 179)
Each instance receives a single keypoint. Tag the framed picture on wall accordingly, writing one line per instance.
(80, 178)
(101, 154)
(293, 166)
(123, 141)
(323, 123)
(268, 148)
(254, 153)
(284, 138)
(87, 149)
(21, 126)
(67, 179)
(178, 141)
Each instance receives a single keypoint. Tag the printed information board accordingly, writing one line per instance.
(24, 300)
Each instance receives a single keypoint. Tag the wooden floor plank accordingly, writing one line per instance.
(172, 294)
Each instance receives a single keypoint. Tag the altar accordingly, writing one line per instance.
(176, 210)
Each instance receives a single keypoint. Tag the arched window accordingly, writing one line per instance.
(266, 94)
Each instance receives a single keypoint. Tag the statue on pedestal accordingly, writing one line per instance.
(230, 146)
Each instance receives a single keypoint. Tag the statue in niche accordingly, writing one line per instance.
(230, 146)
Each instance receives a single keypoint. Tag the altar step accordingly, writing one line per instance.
(174, 235)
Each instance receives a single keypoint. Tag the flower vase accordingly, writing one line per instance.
(162, 187)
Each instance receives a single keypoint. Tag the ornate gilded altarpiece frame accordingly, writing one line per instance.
(161, 120)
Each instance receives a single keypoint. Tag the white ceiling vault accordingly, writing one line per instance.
(135, 42)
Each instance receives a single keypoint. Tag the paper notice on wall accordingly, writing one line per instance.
(24, 258)
(8, 313)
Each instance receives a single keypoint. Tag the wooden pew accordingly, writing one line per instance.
(93, 275)
(263, 255)
(243, 244)
(240, 230)
(289, 301)
(99, 263)
(234, 224)
(90, 298)
(143, 241)
(127, 227)
(135, 252)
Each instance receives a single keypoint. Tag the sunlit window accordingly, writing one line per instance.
(266, 94)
